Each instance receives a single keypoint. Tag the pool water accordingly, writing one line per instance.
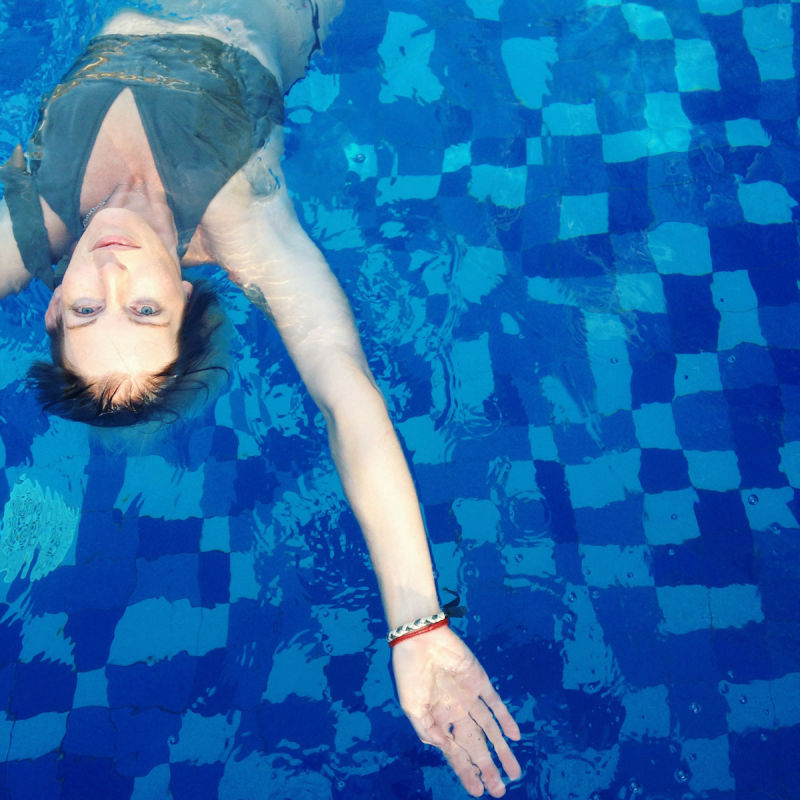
(568, 233)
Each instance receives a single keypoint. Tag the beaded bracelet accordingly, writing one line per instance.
(418, 626)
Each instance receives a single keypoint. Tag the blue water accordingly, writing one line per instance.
(568, 233)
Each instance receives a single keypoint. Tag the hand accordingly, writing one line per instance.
(446, 694)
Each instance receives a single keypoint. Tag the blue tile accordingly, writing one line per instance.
(142, 738)
(36, 778)
(42, 686)
(195, 781)
(694, 320)
(91, 631)
(214, 576)
(701, 421)
(166, 684)
(89, 733)
(663, 470)
(158, 537)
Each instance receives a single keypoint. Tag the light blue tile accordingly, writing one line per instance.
(549, 290)
(204, 739)
(485, 9)
(697, 372)
(583, 215)
(607, 349)
(607, 479)
(157, 629)
(153, 785)
(520, 479)
(362, 160)
(408, 187)
(244, 584)
(767, 507)
(504, 186)
(641, 291)
(566, 119)
(696, 65)
(680, 248)
(91, 689)
(609, 565)
(626, 146)
(739, 327)
(645, 22)
(345, 631)
(715, 470)
(647, 713)
(216, 535)
(478, 271)
(746, 133)
(761, 704)
(473, 377)
(479, 520)
(669, 517)
(428, 443)
(766, 203)
(36, 736)
(655, 426)
(533, 151)
(735, 606)
(684, 608)
(44, 636)
(732, 291)
(406, 50)
(457, 156)
(720, 7)
(298, 667)
(790, 462)
(669, 125)
(528, 63)
(543, 446)
(770, 38)
(711, 766)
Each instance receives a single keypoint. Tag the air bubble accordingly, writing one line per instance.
(743, 700)
(635, 787)
(753, 499)
(695, 708)
(359, 158)
(673, 516)
(724, 688)
(731, 359)
(572, 597)
(614, 360)
(681, 775)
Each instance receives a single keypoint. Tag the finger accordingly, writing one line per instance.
(470, 738)
(507, 722)
(483, 717)
(461, 764)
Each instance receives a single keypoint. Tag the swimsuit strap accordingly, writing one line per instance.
(27, 220)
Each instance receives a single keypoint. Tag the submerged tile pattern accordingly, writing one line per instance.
(568, 231)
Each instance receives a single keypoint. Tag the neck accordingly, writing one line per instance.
(151, 204)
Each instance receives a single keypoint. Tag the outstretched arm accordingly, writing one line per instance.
(258, 239)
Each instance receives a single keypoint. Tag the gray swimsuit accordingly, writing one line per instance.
(205, 106)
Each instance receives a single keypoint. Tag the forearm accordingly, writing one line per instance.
(377, 483)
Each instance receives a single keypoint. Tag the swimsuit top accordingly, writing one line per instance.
(205, 106)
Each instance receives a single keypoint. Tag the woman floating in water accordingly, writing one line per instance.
(160, 150)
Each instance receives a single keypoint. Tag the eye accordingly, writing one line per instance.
(147, 309)
(85, 310)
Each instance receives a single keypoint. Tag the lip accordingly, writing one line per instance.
(115, 242)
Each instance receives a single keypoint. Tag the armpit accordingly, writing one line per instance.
(256, 297)
(262, 178)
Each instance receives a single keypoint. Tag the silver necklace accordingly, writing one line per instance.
(94, 209)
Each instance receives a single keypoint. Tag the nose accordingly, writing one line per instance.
(106, 256)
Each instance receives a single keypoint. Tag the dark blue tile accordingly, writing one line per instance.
(595, 719)
(173, 577)
(701, 421)
(37, 778)
(742, 653)
(551, 480)
(653, 379)
(166, 684)
(778, 559)
(615, 523)
(778, 100)
(574, 443)
(693, 318)
(143, 738)
(346, 674)
(757, 415)
(663, 470)
(697, 708)
(159, 537)
(89, 733)
(91, 631)
(214, 578)
(774, 246)
(579, 163)
(42, 686)
(646, 767)
(764, 763)
(501, 151)
(195, 781)
(749, 365)
(781, 325)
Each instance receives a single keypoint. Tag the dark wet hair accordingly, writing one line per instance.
(160, 397)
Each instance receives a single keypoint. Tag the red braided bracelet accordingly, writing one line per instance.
(426, 629)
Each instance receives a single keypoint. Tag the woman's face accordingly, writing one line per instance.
(121, 301)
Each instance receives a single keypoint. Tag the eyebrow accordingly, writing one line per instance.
(133, 320)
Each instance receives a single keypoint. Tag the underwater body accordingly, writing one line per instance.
(568, 234)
